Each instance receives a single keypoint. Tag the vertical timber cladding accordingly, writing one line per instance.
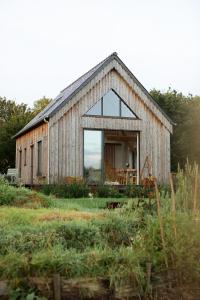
(27, 140)
(66, 127)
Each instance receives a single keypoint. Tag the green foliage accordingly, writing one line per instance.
(24, 294)
(40, 104)
(12, 118)
(117, 230)
(79, 235)
(74, 190)
(22, 197)
(115, 245)
(185, 112)
(106, 191)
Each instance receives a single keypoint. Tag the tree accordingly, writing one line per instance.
(40, 104)
(12, 118)
(185, 112)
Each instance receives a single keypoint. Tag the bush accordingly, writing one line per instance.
(138, 191)
(73, 190)
(7, 193)
(22, 197)
(27, 239)
(106, 191)
(117, 230)
(79, 235)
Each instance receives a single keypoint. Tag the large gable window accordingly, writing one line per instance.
(111, 105)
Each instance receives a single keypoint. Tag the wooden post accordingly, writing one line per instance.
(173, 204)
(57, 286)
(160, 221)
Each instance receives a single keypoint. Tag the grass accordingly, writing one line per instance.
(79, 238)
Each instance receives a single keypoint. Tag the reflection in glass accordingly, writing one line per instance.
(92, 155)
(95, 110)
(111, 104)
(126, 112)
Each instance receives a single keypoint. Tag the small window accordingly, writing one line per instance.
(24, 156)
(39, 172)
(20, 163)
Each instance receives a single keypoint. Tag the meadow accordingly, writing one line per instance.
(135, 249)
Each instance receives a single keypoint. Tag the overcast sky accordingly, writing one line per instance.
(47, 44)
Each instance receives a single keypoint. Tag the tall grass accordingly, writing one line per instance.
(119, 245)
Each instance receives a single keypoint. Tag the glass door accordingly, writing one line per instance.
(93, 155)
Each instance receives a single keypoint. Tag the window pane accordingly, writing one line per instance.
(111, 104)
(20, 164)
(40, 158)
(126, 112)
(92, 155)
(25, 156)
(95, 110)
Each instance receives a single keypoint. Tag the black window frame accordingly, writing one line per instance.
(25, 156)
(120, 109)
(39, 158)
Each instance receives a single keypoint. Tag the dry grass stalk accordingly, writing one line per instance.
(194, 200)
(173, 198)
(160, 220)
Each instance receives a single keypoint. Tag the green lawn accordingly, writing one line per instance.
(85, 204)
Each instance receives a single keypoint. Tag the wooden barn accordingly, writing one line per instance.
(105, 126)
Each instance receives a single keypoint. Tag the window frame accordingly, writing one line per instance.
(25, 157)
(102, 152)
(39, 166)
(135, 117)
(20, 164)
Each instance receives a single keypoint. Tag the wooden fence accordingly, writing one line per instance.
(161, 287)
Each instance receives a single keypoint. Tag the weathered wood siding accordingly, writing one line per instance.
(66, 126)
(27, 140)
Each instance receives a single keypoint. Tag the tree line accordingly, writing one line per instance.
(183, 110)
(13, 117)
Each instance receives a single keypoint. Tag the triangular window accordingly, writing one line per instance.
(111, 105)
(95, 110)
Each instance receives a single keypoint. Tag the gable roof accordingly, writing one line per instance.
(67, 94)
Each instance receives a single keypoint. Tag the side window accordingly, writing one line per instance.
(39, 166)
(24, 156)
(20, 163)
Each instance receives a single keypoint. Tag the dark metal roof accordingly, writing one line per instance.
(67, 94)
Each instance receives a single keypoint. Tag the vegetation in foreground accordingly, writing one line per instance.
(117, 245)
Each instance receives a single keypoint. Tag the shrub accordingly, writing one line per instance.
(73, 190)
(106, 191)
(79, 235)
(7, 194)
(27, 239)
(22, 197)
(138, 191)
(117, 230)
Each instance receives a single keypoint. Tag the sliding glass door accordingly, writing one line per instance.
(93, 155)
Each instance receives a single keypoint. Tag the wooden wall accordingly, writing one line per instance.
(66, 126)
(27, 140)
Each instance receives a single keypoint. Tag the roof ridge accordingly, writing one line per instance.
(68, 93)
(112, 54)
